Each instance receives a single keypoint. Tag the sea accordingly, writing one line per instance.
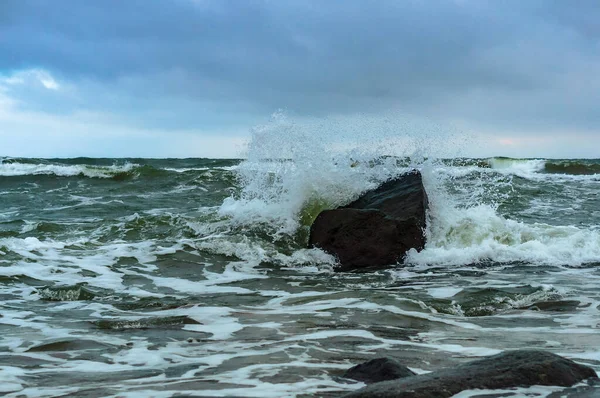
(192, 277)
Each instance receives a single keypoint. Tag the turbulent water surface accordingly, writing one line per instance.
(145, 277)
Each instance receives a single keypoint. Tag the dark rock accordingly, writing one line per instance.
(66, 293)
(554, 305)
(402, 198)
(380, 369)
(594, 381)
(377, 229)
(69, 345)
(167, 322)
(521, 368)
(591, 390)
(358, 238)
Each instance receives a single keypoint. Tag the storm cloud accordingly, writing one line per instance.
(521, 68)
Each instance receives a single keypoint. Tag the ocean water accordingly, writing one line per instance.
(191, 277)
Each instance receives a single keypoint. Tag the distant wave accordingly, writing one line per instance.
(90, 168)
(554, 166)
(15, 169)
(574, 167)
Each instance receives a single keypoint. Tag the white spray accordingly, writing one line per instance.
(294, 168)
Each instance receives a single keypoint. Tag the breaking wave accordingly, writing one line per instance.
(574, 167)
(478, 212)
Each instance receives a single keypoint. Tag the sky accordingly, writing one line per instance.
(191, 78)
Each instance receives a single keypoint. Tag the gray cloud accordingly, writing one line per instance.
(505, 64)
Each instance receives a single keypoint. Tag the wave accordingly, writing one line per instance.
(38, 167)
(478, 212)
(16, 169)
(517, 165)
(331, 159)
(571, 167)
(473, 235)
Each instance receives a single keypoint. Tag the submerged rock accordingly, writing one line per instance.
(377, 229)
(167, 322)
(66, 293)
(379, 369)
(61, 345)
(554, 305)
(521, 368)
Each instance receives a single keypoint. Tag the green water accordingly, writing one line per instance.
(167, 277)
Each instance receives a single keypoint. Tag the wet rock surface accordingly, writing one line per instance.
(521, 368)
(377, 229)
(554, 305)
(379, 369)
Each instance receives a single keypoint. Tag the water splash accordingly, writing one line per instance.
(294, 170)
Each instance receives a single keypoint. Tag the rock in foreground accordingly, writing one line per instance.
(377, 229)
(522, 368)
(379, 369)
